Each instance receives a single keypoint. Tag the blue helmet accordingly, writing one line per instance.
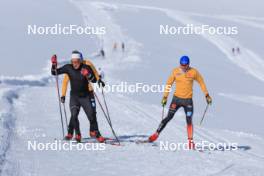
(184, 60)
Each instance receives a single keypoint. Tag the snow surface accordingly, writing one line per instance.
(28, 100)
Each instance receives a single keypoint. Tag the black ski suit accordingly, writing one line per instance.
(79, 96)
(177, 103)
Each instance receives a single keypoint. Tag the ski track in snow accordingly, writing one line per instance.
(114, 34)
(139, 114)
(7, 119)
(142, 119)
(250, 21)
(255, 100)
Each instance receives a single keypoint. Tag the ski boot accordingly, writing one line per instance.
(93, 134)
(153, 137)
(78, 137)
(100, 139)
(96, 134)
(68, 137)
(191, 144)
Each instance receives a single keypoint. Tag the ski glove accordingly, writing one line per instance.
(164, 101)
(85, 72)
(54, 60)
(63, 99)
(208, 99)
(101, 83)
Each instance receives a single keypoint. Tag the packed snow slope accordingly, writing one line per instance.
(29, 107)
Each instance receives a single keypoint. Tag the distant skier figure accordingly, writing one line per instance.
(101, 73)
(80, 75)
(238, 50)
(115, 46)
(123, 46)
(233, 51)
(102, 53)
(93, 129)
(183, 76)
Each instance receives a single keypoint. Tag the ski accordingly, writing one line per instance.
(146, 141)
(142, 141)
(109, 141)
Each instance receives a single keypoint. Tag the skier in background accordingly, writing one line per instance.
(233, 51)
(183, 76)
(123, 46)
(93, 132)
(80, 75)
(238, 50)
(115, 46)
(101, 73)
(102, 53)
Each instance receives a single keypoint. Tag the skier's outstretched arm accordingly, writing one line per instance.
(201, 82)
(87, 62)
(96, 74)
(58, 71)
(169, 83)
(54, 69)
(64, 87)
(88, 73)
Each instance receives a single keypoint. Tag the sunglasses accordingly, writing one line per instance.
(75, 61)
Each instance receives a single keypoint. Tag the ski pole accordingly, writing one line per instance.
(58, 92)
(207, 106)
(107, 111)
(101, 106)
(65, 114)
(162, 115)
(102, 109)
(107, 117)
(108, 120)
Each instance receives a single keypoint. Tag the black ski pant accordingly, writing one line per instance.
(177, 103)
(89, 107)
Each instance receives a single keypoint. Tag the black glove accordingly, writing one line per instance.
(164, 101)
(208, 99)
(101, 83)
(63, 99)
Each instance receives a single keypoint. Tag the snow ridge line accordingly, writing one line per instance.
(25, 80)
(40, 80)
(251, 21)
(7, 118)
(249, 61)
